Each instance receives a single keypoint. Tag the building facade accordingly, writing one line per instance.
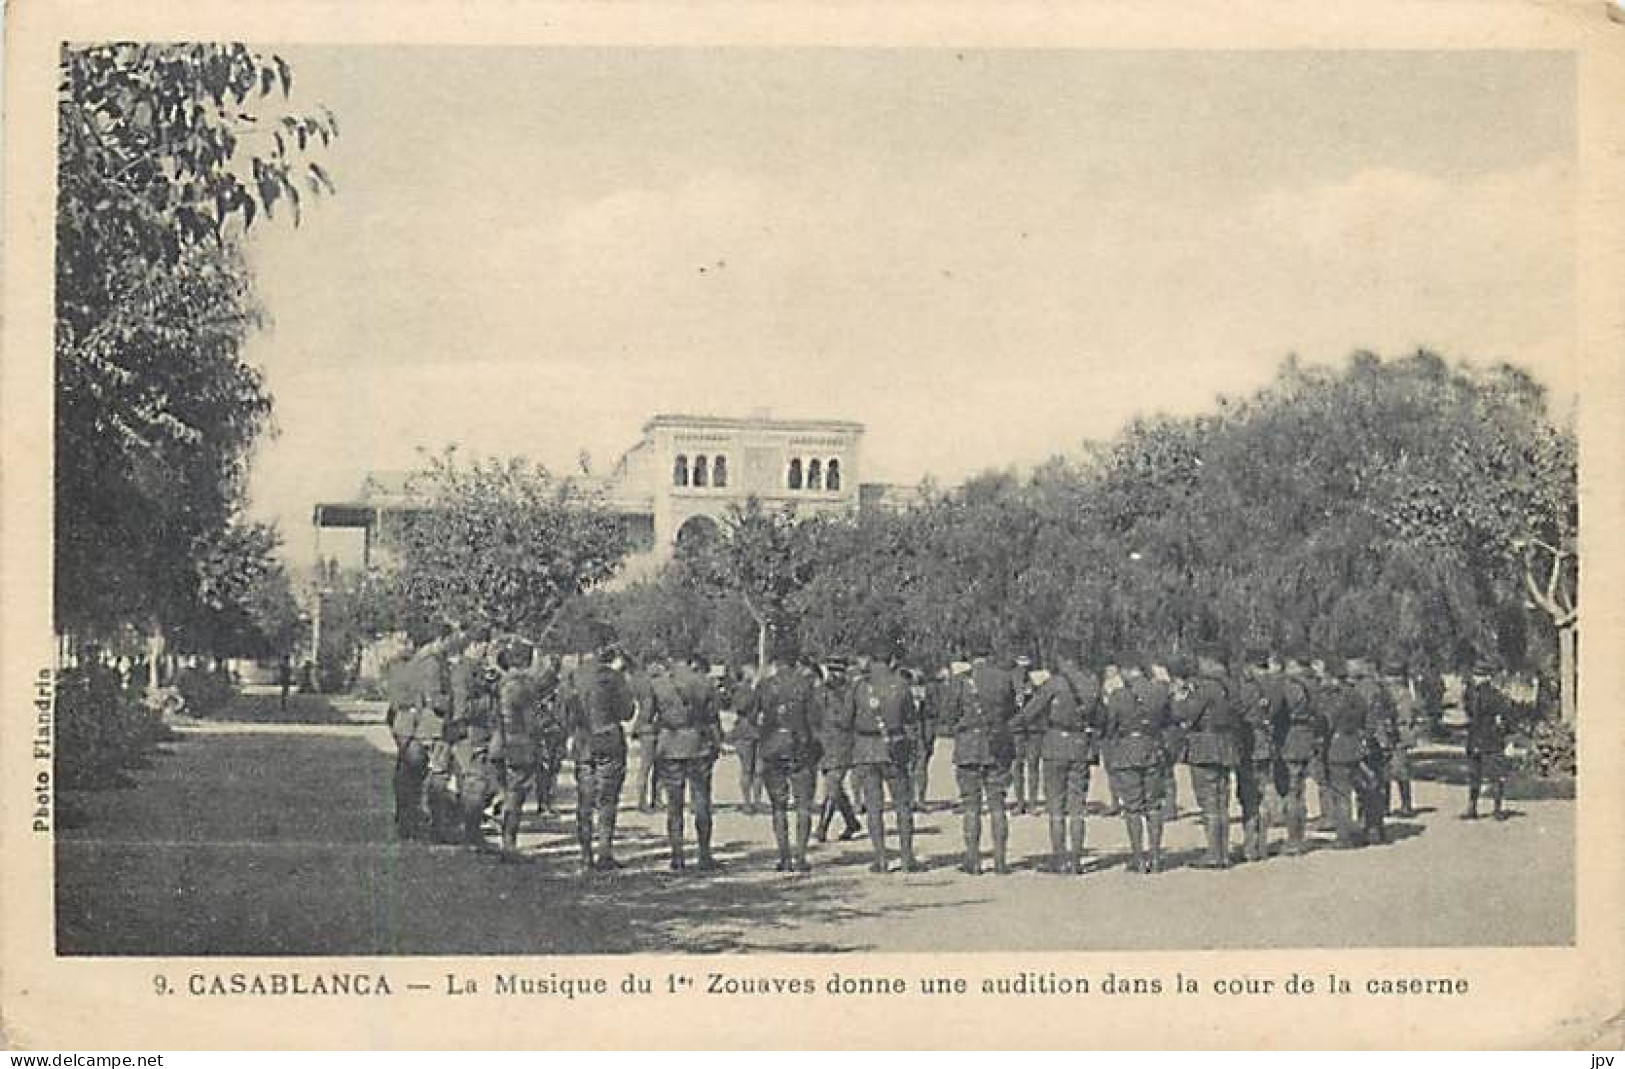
(684, 473)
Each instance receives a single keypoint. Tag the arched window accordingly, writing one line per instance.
(832, 478)
(719, 471)
(815, 475)
(795, 474)
(679, 470)
(699, 470)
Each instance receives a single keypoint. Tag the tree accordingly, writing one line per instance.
(155, 411)
(761, 557)
(504, 544)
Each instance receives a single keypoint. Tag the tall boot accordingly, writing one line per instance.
(1136, 842)
(1249, 837)
(877, 832)
(1057, 841)
(584, 836)
(1500, 793)
(851, 826)
(702, 834)
(1222, 819)
(1473, 787)
(1153, 821)
(905, 833)
(826, 813)
(798, 860)
(1074, 854)
(1296, 818)
(973, 840)
(1406, 809)
(999, 818)
(606, 838)
(781, 837)
(674, 835)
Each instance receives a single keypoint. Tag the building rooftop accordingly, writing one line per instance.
(678, 419)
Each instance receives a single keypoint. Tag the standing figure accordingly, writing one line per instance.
(1026, 768)
(472, 729)
(1381, 732)
(1409, 727)
(552, 736)
(878, 709)
(514, 746)
(1258, 702)
(1212, 726)
(1137, 723)
(415, 730)
(835, 754)
(1302, 739)
(598, 702)
(928, 716)
(781, 707)
(687, 744)
(1177, 677)
(733, 689)
(1344, 752)
(1486, 742)
(1066, 708)
(643, 731)
(979, 708)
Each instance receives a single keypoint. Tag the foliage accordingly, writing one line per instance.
(504, 544)
(166, 154)
(205, 691)
(1311, 518)
(102, 728)
(1553, 750)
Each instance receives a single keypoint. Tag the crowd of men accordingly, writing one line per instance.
(484, 724)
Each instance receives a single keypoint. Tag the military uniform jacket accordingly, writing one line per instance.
(1346, 715)
(1212, 725)
(978, 709)
(878, 710)
(780, 708)
(1066, 709)
(685, 715)
(598, 702)
(834, 737)
(1301, 727)
(1258, 702)
(517, 698)
(1408, 718)
(473, 700)
(1137, 720)
(643, 726)
(1486, 731)
(1381, 718)
(431, 681)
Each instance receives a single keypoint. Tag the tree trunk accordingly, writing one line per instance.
(761, 646)
(1567, 681)
(155, 655)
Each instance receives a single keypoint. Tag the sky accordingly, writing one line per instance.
(986, 257)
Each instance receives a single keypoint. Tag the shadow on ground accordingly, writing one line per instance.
(281, 843)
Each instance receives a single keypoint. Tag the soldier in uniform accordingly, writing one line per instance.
(978, 709)
(1258, 702)
(928, 714)
(514, 747)
(643, 731)
(473, 725)
(1212, 748)
(1302, 739)
(1136, 727)
(408, 724)
(1066, 708)
(1345, 751)
(781, 708)
(1322, 680)
(1409, 726)
(877, 712)
(1026, 769)
(1177, 675)
(551, 733)
(1486, 742)
(688, 742)
(835, 753)
(734, 688)
(429, 672)
(1381, 732)
(597, 704)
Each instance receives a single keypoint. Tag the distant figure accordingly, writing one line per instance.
(284, 679)
(1486, 742)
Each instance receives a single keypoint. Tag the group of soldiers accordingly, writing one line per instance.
(482, 724)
